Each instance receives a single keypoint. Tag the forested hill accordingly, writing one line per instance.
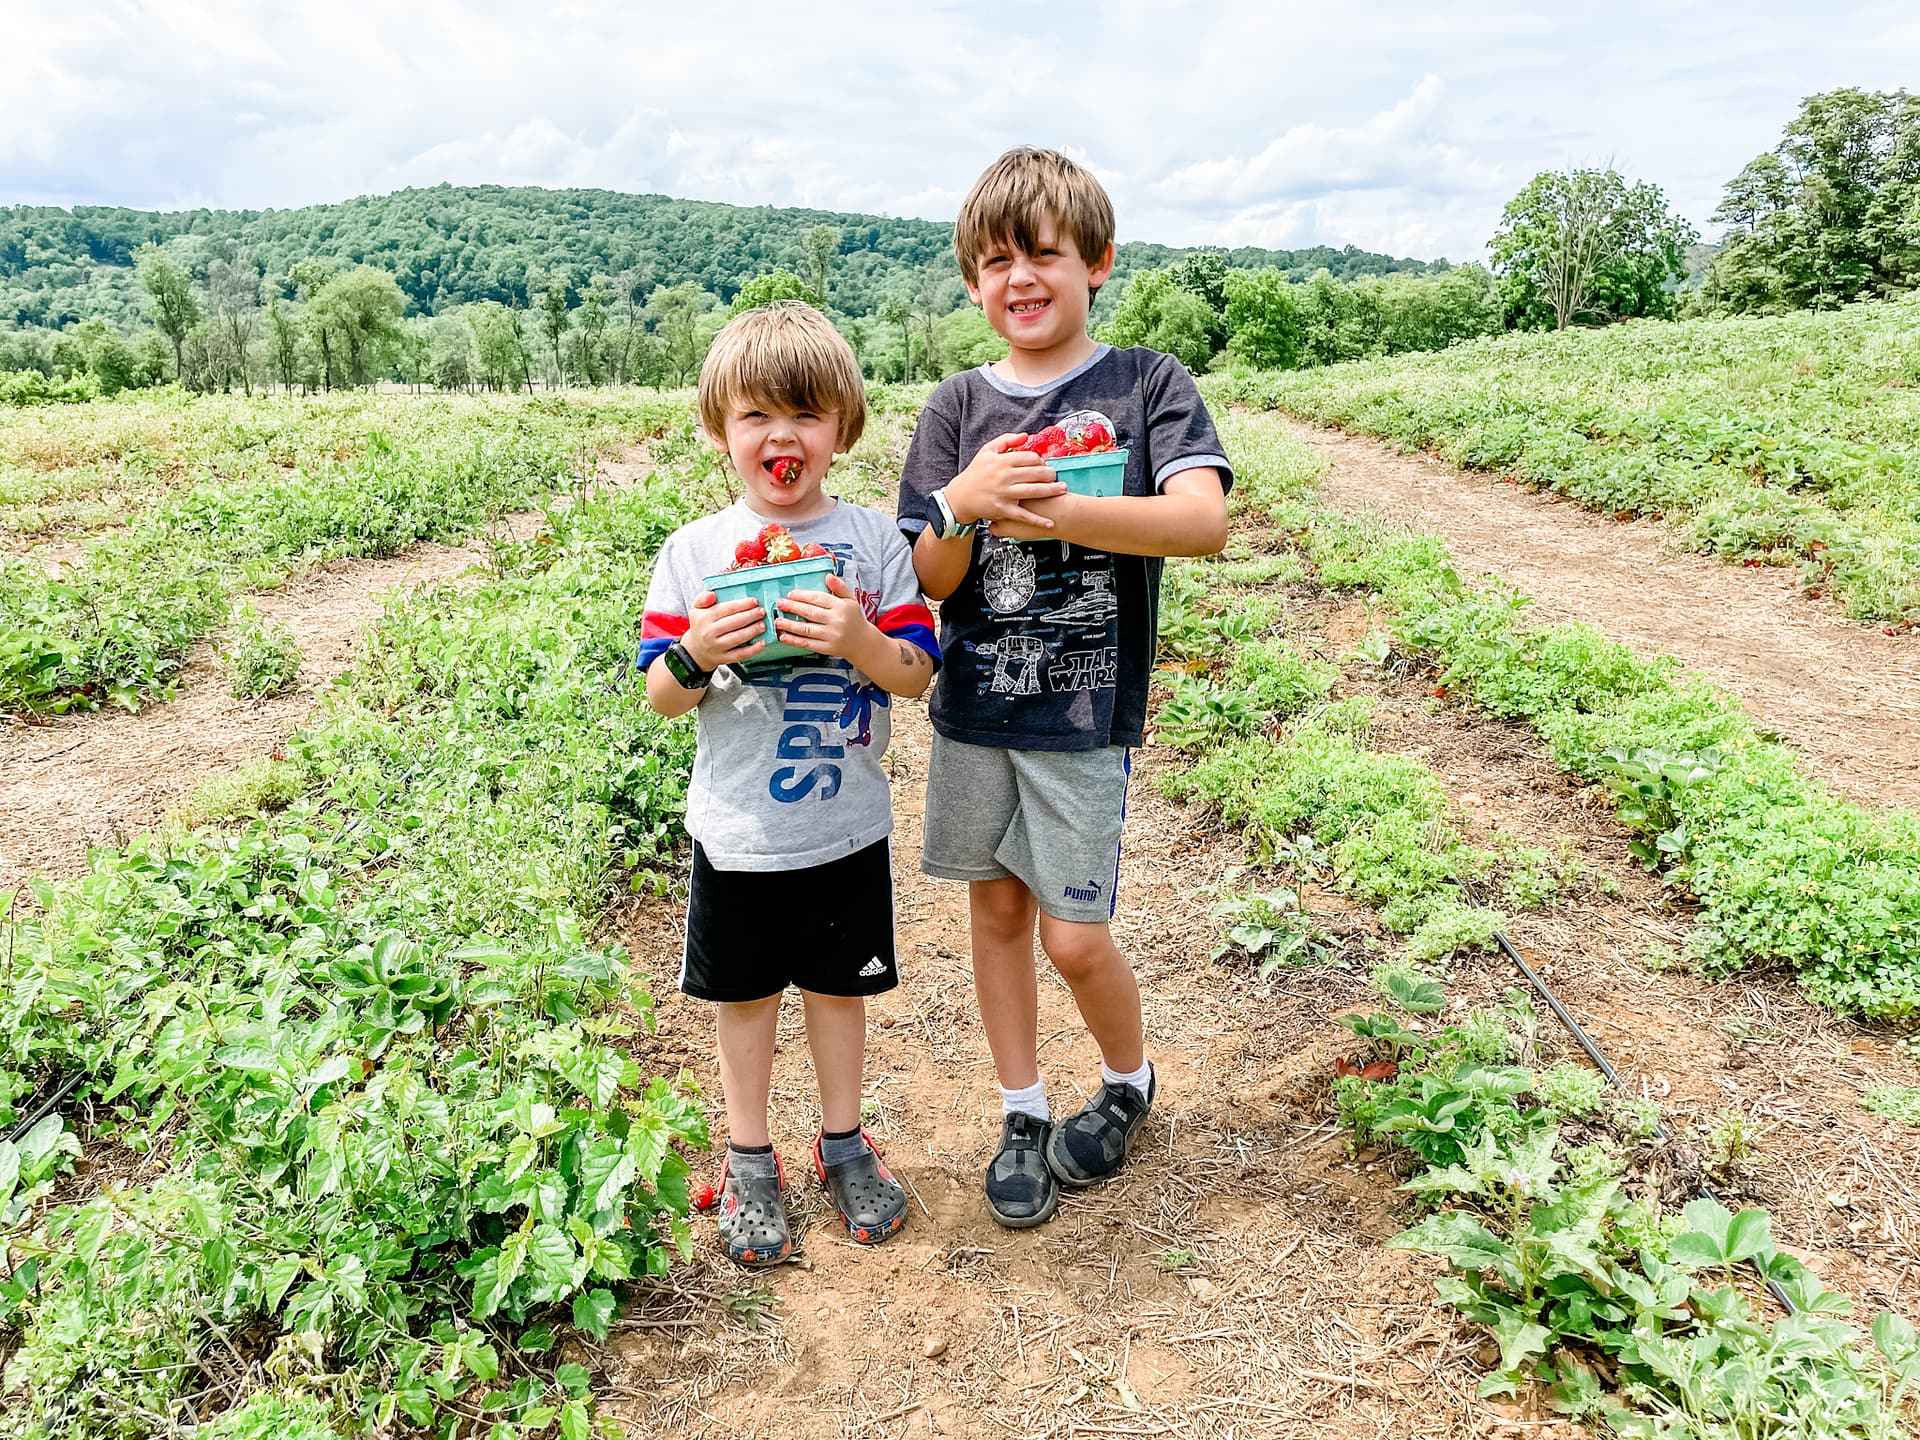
(453, 244)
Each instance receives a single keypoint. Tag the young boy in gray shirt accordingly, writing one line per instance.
(788, 807)
(1048, 623)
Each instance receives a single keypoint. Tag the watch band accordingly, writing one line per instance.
(947, 526)
(685, 670)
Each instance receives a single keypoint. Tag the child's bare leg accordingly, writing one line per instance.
(837, 1036)
(1103, 987)
(1004, 979)
(871, 1202)
(746, 1033)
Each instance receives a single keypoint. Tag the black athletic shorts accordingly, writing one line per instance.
(827, 928)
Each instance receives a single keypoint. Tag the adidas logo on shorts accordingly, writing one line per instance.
(872, 967)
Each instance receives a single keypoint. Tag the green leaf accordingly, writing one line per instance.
(593, 1312)
(1749, 1234)
(574, 1424)
(1520, 1340)
(1455, 1237)
(1894, 1337)
(575, 1379)
(536, 1339)
(90, 1229)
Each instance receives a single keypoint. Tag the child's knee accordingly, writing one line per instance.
(1002, 909)
(1078, 951)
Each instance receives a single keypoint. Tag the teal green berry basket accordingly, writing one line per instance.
(1102, 474)
(770, 584)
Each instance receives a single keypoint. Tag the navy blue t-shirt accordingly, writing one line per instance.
(1048, 645)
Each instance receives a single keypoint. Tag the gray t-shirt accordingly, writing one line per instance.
(787, 773)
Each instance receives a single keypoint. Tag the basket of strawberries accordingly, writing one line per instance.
(768, 568)
(1080, 450)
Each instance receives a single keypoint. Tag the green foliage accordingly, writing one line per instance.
(261, 656)
(1896, 1102)
(1784, 441)
(1198, 715)
(1578, 245)
(1549, 1253)
(30, 387)
(118, 624)
(1270, 928)
(1158, 312)
(381, 1075)
(777, 284)
(1786, 873)
(1828, 215)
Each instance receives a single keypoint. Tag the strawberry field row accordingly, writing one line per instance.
(1779, 440)
(117, 624)
(363, 1119)
(1530, 1177)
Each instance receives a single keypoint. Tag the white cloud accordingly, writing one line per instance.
(1393, 126)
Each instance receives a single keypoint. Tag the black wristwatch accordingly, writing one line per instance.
(685, 669)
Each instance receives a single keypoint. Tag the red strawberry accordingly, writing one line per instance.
(1046, 439)
(750, 552)
(1057, 451)
(780, 545)
(786, 470)
(1095, 436)
(813, 550)
(703, 1197)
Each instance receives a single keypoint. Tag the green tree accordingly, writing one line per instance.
(967, 341)
(553, 319)
(1577, 244)
(897, 312)
(309, 278)
(681, 316)
(822, 244)
(1203, 273)
(1263, 318)
(233, 295)
(450, 358)
(362, 307)
(171, 300)
(283, 343)
(499, 345)
(780, 284)
(1157, 312)
(109, 358)
(1831, 214)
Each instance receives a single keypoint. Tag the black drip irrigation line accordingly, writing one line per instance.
(1594, 1054)
(46, 1107)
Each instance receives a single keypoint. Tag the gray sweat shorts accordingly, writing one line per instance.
(1051, 818)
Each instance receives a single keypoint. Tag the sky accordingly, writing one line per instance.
(1395, 127)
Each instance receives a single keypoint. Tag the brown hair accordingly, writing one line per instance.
(787, 356)
(1018, 193)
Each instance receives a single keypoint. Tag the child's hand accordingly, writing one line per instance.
(827, 622)
(724, 634)
(998, 482)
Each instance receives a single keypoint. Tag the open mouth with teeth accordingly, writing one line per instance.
(785, 470)
(1027, 309)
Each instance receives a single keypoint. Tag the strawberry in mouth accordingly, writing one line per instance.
(785, 470)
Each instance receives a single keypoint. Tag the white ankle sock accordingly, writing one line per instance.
(1030, 1101)
(1141, 1079)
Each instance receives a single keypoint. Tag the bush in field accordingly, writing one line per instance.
(262, 657)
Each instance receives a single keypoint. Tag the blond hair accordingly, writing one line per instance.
(783, 356)
(1021, 191)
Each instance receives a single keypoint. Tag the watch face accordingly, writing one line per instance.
(681, 666)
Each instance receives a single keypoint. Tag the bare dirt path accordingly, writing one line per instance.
(94, 779)
(1846, 695)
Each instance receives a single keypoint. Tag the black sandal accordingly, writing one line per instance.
(753, 1216)
(871, 1203)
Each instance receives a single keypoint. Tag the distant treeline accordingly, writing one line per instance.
(455, 245)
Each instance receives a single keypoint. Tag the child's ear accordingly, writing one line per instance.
(1101, 270)
(719, 442)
